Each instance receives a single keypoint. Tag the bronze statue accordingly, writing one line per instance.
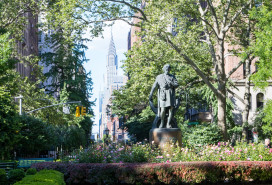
(167, 103)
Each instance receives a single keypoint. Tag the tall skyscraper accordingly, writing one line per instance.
(112, 63)
(112, 81)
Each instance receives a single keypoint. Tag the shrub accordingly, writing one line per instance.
(3, 177)
(16, 175)
(31, 171)
(201, 134)
(163, 173)
(44, 177)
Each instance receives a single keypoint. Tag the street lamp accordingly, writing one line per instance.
(20, 103)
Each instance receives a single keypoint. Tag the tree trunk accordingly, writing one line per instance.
(221, 92)
(246, 98)
(222, 113)
(247, 85)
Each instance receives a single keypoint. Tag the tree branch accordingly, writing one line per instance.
(214, 17)
(190, 62)
(225, 16)
(208, 40)
(226, 28)
(129, 5)
(236, 67)
(15, 18)
(111, 19)
(236, 96)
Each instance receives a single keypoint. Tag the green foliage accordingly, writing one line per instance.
(235, 133)
(31, 171)
(201, 134)
(209, 96)
(16, 175)
(36, 135)
(262, 121)
(267, 119)
(44, 177)
(139, 125)
(10, 126)
(3, 177)
(262, 47)
(11, 15)
(6, 62)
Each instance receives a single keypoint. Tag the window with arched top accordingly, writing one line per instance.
(260, 100)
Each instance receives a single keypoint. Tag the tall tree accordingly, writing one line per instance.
(262, 49)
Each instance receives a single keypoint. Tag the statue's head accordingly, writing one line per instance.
(166, 68)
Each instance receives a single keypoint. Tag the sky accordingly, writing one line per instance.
(97, 55)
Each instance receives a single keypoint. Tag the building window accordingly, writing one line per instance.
(260, 100)
(40, 37)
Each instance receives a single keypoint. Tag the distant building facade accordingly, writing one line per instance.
(28, 45)
(113, 81)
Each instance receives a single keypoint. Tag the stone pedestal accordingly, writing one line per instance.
(161, 136)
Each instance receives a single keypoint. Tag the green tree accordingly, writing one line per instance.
(262, 49)
(36, 135)
(12, 13)
(9, 130)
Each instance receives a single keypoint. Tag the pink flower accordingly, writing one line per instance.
(270, 150)
(260, 156)
(168, 161)
(159, 157)
(120, 149)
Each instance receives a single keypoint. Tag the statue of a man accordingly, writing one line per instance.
(166, 84)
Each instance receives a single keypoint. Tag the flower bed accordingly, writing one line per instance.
(147, 153)
(162, 173)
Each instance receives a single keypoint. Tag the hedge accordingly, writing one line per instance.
(163, 173)
(43, 177)
(3, 177)
(15, 175)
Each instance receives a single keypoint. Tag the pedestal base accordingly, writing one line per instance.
(161, 136)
